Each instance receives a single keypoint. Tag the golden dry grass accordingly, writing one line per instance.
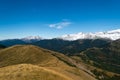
(27, 62)
(30, 72)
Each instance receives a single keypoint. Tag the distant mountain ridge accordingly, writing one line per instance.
(71, 47)
(26, 40)
(11, 42)
(108, 35)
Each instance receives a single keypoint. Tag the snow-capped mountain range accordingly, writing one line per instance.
(30, 39)
(113, 35)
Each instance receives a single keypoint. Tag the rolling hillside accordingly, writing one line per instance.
(34, 63)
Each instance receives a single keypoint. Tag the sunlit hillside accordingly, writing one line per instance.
(34, 63)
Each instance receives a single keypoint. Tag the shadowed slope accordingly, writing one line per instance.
(107, 58)
(2, 46)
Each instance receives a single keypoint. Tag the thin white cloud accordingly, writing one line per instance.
(60, 25)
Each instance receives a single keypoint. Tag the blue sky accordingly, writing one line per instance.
(53, 18)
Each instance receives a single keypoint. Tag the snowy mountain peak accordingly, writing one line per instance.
(32, 37)
(113, 35)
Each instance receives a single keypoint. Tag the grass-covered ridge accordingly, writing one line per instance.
(23, 62)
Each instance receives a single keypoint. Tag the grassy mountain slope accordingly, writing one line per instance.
(106, 58)
(29, 72)
(101, 74)
(43, 62)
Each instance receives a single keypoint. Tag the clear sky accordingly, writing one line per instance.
(53, 18)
